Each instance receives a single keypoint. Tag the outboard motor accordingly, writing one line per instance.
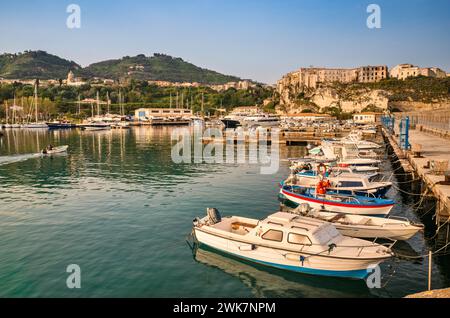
(302, 209)
(213, 215)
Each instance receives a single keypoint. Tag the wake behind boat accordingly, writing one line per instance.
(290, 242)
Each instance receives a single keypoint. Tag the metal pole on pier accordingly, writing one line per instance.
(430, 256)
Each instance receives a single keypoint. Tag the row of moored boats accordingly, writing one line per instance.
(339, 214)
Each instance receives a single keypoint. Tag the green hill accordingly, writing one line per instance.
(35, 64)
(158, 67)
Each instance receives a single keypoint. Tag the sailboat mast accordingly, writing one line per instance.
(108, 101)
(120, 103)
(6, 111)
(36, 102)
(79, 105)
(203, 102)
(98, 104)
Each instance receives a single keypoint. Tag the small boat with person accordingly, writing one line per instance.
(290, 242)
(51, 150)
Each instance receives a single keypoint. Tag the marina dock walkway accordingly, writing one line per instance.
(433, 148)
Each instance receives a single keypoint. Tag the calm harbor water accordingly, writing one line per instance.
(118, 206)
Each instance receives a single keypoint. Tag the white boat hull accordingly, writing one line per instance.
(38, 125)
(398, 233)
(292, 261)
(337, 207)
(369, 227)
(91, 128)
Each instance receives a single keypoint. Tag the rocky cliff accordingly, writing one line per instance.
(412, 94)
(326, 97)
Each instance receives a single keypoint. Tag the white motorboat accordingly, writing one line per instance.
(362, 226)
(121, 125)
(300, 165)
(55, 150)
(93, 126)
(262, 119)
(355, 138)
(342, 155)
(36, 125)
(291, 242)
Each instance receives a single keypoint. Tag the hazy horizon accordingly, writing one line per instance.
(258, 40)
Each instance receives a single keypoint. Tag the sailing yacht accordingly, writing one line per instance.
(36, 124)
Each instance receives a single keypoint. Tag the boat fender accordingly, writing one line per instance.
(247, 248)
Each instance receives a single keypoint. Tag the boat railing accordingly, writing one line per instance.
(388, 245)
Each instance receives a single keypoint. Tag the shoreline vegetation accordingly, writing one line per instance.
(62, 100)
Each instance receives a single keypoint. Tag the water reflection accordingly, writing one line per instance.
(268, 282)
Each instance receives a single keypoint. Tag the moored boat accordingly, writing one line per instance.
(291, 242)
(340, 203)
(362, 226)
(346, 183)
(61, 125)
(93, 126)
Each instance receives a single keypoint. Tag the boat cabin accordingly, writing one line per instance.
(283, 229)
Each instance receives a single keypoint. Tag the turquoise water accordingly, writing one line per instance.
(117, 206)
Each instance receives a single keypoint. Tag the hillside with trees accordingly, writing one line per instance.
(35, 64)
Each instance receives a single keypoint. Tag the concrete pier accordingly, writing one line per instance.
(433, 148)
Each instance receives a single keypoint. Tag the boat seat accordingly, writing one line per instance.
(236, 225)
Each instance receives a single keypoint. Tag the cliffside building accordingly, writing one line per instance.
(312, 77)
(403, 71)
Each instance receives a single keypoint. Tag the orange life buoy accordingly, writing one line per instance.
(321, 169)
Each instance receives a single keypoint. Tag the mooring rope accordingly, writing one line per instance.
(435, 253)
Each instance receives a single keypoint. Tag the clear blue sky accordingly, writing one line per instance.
(257, 39)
